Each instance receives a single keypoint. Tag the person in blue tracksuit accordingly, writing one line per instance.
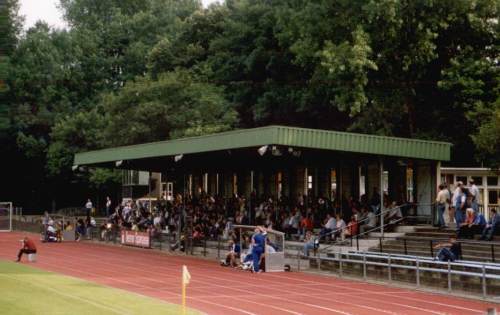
(259, 244)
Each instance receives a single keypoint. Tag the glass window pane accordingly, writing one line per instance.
(478, 180)
(492, 180)
(493, 197)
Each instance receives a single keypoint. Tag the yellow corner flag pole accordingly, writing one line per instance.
(185, 281)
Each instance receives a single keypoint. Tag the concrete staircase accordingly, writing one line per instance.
(420, 241)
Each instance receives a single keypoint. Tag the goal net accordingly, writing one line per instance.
(274, 254)
(5, 216)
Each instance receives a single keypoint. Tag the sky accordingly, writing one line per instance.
(46, 10)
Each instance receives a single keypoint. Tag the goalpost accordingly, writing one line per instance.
(5, 216)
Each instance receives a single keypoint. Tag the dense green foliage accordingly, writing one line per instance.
(131, 71)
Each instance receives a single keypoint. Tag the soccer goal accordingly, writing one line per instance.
(5, 216)
(274, 254)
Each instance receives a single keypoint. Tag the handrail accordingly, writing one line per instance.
(384, 211)
(495, 266)
(364, 233)
(482, 271)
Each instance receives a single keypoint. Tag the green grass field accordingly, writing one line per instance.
(25, 290)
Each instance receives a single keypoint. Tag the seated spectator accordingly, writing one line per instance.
(449, 251)
(91, 225)
(306, 224)
(492, 227)
(468, 228)
(68, 227)
(340, 228)
(232, 255)
(310, 242)
(394, 213)
(329, 226)
(369, 223)
(352, 227)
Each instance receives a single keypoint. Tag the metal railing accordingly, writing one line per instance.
(427, 218)
(488, 273)
(432, 242)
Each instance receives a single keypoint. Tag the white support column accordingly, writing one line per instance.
(438, 174)
(381, 166)
(486, 202)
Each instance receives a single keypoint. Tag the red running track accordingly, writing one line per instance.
(217, 290)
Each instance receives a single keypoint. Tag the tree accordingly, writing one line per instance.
(175, 105)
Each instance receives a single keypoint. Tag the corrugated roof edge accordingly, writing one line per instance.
(274, 138)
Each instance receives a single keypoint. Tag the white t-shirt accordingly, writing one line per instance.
(457, 192)
(331, 224)
(474, 191)
(88, 205)
(270, 249)
(372, 220)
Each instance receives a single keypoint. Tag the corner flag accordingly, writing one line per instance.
(185, 275)
(185, 281)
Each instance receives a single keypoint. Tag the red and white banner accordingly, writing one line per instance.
(139, 239)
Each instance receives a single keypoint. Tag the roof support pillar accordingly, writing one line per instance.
(381, 167)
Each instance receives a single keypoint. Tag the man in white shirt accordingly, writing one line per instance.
(475, 195)
(330, 225)
(88, 207)
(441, 200)
(371, 222)
(108, 206)
(454, 199)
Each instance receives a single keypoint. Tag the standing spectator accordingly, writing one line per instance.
(88, 207)
(492, 226)
(454, 201)
(474, 191)
(441, 201)
(258, 246)
(108, 206)
(460, 206)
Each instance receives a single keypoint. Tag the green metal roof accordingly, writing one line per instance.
(274, 135)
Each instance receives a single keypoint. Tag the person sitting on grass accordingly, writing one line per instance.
(449, 251)
(27, 248)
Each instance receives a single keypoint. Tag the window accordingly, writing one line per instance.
(205, 182)
(492, 180)
(333, 181)
(309, 182)
(478, 180)
(279, 182)
(409, 184)
(235, 184)
(493, 197)
(462, 179)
